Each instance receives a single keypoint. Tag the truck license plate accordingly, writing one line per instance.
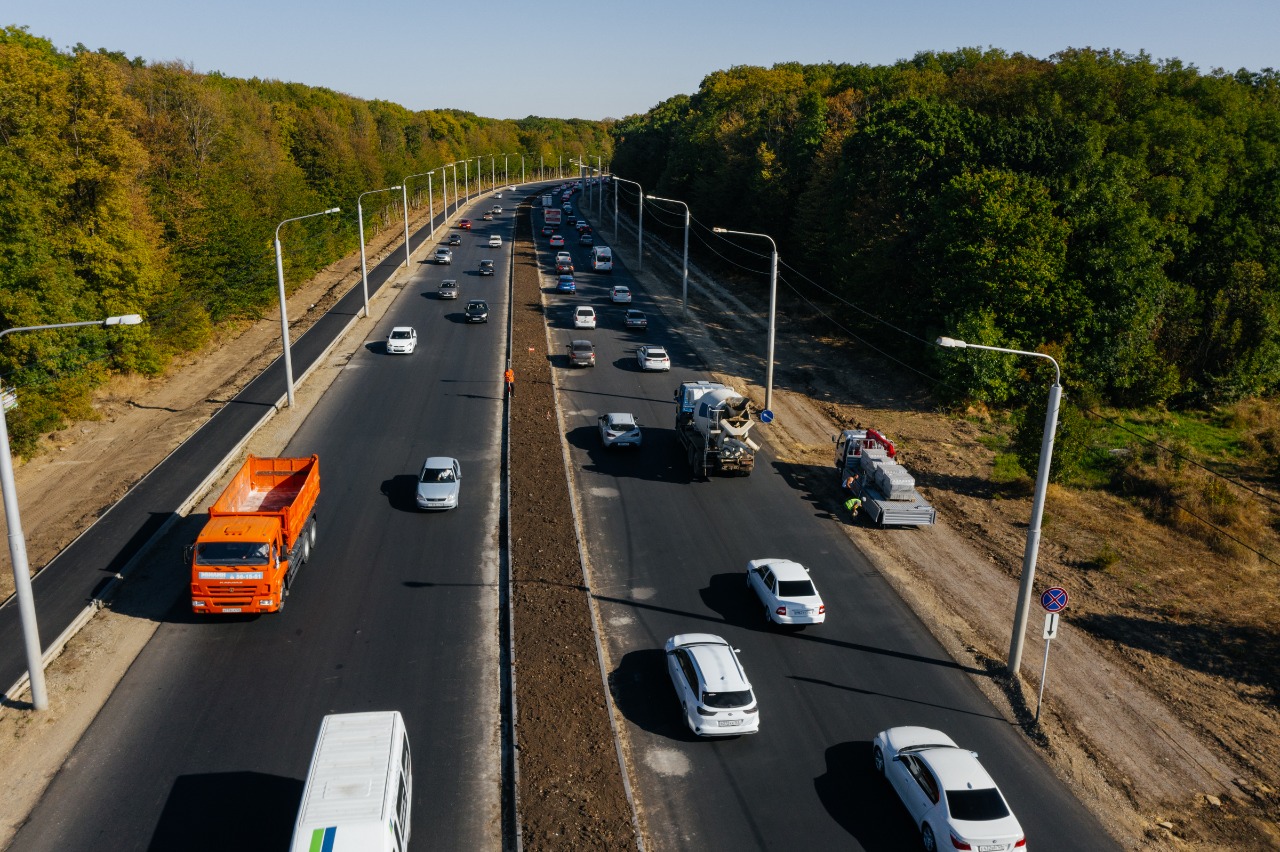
(231, 609)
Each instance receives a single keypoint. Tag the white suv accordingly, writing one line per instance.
(715, 695)
(584, 317)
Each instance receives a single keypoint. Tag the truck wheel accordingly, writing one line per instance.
(312, 533)
(306, 549)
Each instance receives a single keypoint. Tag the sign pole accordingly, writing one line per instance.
(1050, 630)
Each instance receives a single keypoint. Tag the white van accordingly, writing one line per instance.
(360, 786)
(602, 259)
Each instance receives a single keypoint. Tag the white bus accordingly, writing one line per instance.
(360, 786)
(602, 259)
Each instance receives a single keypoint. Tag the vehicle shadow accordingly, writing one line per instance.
(642, 690)
(185, 822)
(862, 802)
(657, 459)
(818, 486)
(728, 596)
(401, 492)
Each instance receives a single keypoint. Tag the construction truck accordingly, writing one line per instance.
(869, 470)
(260, 532)
(712, 423)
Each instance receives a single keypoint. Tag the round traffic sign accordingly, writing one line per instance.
(1054, 600)
(766, 416)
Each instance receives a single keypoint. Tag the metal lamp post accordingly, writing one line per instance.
(404, 185)
(773, 309)
(18, 541)
(1037, 505)
(639, 220)
(599, 188)
(364, 273)
(684, 280)
(284, 315)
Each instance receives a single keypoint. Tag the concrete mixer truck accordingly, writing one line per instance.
(712, 423)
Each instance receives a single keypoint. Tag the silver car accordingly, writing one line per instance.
(449, 288)
(444, 255)
(439, 483)
(619, 430)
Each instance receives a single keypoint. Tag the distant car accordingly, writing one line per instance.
(946, 790)
(570, 219)
(564, 269)
(488, 217)
(786, 591)
(402, 340)
(477, 310)
(499, 195)
(548, 230)
(585, 239)
(715, 696)
(566, 284)
(621, 295)
(497, 208)
(567, 207)
(455, 239)
(464, 224)
(653, 358)
(448, 288)
(486, 267)
(582, 226)
(619, 430)
(564, 257)
(584, 317)
(582, 354)
(635, 319)
(439, 483)
(495, 241)
(557, 241)
(444, 255)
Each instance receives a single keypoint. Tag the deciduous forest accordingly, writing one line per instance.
(1118, 213)
(128, 187)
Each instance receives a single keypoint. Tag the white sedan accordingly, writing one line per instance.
(786, 591)
(495, 241)
(621, 296)
(439, 483)
(619, 430)
(948, 793)
(402, 340)
(653, 358)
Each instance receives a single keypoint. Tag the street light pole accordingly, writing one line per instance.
(639, 220)
(773, 310)
(684, 280)
(364, 274)
(1027, 583)
(18, 541)
(599, 188)
(284, 314)
(404, 185)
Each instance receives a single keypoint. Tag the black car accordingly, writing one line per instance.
(455, 239)
(486, 267)
(477, 310)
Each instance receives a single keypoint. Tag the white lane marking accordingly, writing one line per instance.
(667, 762)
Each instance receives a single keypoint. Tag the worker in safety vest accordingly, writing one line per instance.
(509, 378)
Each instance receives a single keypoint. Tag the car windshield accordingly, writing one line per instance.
(477, 306)
(795, 589)
(233, 553)
(437, 474)
(400, 335)
(727, 700)
(976, 805)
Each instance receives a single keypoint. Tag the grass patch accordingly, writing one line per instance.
(1006, 470)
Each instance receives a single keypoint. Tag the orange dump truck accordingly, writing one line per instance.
(260, 532)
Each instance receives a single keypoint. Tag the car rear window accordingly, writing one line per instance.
(726, 700)
(795, 589)
(976, 805)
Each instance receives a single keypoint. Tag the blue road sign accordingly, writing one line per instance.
(766, 416)
(1054, 600)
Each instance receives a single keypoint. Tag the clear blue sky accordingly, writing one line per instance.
(504, 59)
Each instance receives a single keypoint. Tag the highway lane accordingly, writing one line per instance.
(668, 556)
(206, 742)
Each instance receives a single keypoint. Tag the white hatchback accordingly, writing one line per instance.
(948, 793)
(621, 296)
(584, 317)
(786, 591)
(715, 696)
(402, 340)
(653, 358)
(619, 430)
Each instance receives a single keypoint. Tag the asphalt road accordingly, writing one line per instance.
(207, 740)
(668, 556)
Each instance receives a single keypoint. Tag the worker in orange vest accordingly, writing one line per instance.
(509, 377)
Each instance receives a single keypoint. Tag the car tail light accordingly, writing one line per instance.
(958, 843)
(782, 610)
(822, 609)
(703, 711)
(751, 710)
(1021, 844)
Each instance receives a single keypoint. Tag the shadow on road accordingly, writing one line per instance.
(862, 802)
(643, 692)
(196, 815)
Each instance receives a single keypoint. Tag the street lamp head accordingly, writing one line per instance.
(397, 186)
(334, 210)
(719, 230)
(126, 319)
(951, 343)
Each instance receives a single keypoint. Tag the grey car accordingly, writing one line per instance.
(439, 483)
(449, 288)
(582, 354)
(444, 255)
